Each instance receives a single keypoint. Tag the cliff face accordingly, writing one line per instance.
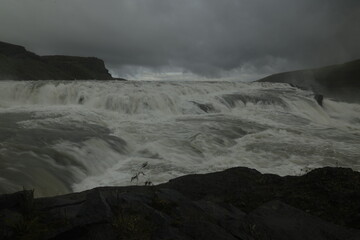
(341, 81)
(80, 67)
(16, 63)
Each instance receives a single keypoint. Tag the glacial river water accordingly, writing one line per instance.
(58, 137)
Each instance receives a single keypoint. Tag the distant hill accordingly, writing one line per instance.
(16, 63)
(340, 81)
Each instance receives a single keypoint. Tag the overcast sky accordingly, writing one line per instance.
(171, 39)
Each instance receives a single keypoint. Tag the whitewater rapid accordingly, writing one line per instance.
(62, 136)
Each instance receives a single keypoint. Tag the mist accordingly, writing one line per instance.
(230, 39)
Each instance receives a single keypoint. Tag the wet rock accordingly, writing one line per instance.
(81, 100)
(319, 99)
(238, 203)
(205, 107)
(15, 200)
(281, 221)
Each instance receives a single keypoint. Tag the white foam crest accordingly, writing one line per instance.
(127, 98)
(135, 97)
(189, 127)
(94, 154)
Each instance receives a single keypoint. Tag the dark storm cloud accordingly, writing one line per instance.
(206, 37)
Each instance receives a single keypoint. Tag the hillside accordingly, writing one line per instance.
(16, 63)
(340, 81)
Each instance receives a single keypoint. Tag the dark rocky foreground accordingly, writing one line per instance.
(341, 82)
(238, 203)
(16, 63)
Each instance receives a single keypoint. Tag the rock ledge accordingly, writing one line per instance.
(238, 203)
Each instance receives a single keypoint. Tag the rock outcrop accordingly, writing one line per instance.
(340, 82)
(80, 67)
(238, 203)
(16, 63)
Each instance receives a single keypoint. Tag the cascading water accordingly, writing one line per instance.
(58, 137)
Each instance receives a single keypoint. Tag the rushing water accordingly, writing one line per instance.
(59, 137)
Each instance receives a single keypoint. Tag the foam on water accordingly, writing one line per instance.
(83, 134)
